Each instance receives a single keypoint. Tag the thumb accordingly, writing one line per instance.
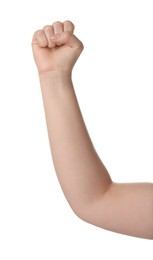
(67, 38)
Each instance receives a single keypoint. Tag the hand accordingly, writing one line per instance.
(56, 48)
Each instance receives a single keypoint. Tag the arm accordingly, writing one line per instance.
(86, 183)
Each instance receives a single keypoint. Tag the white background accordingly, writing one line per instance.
(113, 81)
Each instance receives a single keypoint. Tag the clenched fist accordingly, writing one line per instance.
(56, 48)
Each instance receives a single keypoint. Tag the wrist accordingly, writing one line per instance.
(55, 79)
(54, 73)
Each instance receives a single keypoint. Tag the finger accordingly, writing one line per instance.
(58, 27)
(39, 38)
(68, 39)
(49, 31)
(68, 26)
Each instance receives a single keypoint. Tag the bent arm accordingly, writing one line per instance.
(123, 208)
(80, 171)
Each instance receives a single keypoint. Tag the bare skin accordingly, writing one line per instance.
(93, 196)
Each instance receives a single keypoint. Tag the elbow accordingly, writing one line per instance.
(98, 214)
(80, 212)
(88, 212)
(82, 215)
(91, 211)
(89, 217)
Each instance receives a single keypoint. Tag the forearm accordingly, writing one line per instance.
(80, 171)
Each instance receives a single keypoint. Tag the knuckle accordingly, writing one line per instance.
(69, 23)
(47, 27)
(57, 27)
(68, 35)
(56, 23)
(37, 37)
(81, 45)
(37, 34)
